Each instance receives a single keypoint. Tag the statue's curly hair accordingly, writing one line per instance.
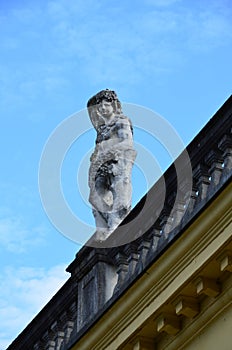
(108, 95)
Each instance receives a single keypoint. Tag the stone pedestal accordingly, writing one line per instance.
(96, 278)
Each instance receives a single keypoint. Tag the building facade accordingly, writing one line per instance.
(170, 287)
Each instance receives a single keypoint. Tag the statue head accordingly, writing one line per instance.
(98, 105)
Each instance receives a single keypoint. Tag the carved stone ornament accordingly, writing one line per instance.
(111, 162)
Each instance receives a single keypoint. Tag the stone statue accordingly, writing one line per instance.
(111, 162)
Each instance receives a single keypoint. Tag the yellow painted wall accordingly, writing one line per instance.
(216, 336)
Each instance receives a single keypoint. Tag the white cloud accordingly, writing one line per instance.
(109, 44)
(162, 3)
(113, 43)
(25, 14)
(16, 237)
(208, 30)
(20, 228)
(23, 292)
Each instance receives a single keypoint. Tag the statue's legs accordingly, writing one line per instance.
(122, 193)
(111, 196)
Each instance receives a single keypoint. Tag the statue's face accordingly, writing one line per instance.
(106, 109)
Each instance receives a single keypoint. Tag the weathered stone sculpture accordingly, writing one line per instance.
(111, 162)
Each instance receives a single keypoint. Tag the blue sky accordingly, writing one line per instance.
(171, 56)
